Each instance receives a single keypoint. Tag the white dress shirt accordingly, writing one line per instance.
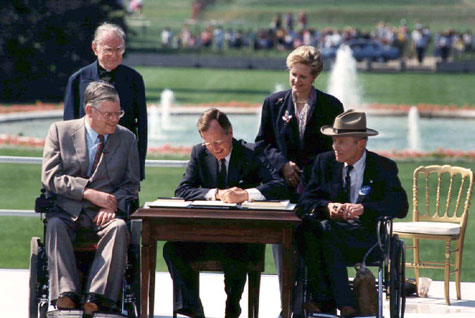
(356, 175)
(253, 193)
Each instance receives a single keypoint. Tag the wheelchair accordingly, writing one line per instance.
(84, 249)
(388, 255)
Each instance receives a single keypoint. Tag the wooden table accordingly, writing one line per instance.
(213, 225)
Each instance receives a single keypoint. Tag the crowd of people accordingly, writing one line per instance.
(284, 33)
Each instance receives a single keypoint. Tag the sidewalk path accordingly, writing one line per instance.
(14, 298)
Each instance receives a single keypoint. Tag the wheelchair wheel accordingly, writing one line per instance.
(132, 273)
(33, 298)
(397, 295)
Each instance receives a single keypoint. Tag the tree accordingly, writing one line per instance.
(43, 42)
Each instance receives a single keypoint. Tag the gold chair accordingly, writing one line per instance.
(432, 187)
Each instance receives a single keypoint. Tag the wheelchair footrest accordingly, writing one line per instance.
(321, 316)
(65, 314)
(78, 314)
(333, 316)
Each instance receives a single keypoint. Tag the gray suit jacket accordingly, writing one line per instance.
(65, 163)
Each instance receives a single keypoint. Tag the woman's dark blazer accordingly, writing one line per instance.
(279, 138)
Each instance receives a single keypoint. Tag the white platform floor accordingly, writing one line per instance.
(14, 298)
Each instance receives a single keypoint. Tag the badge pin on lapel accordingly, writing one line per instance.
(365, 190)
(287, 117)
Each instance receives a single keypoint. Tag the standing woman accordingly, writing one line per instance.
(290, 131)
(291, 120)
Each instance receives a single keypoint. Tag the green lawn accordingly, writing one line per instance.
(222, 85)
(439, 15)
(20, 185)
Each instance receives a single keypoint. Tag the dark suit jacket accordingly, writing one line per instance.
(129, 84)
(385, 196)
(247, 169)
(280, 140)
(65, 163)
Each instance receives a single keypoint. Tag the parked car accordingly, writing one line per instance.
(364, 49)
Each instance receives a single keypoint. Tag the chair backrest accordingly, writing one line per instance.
(442, 194)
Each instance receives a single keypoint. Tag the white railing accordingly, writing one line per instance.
(39, 160)
(148, 163)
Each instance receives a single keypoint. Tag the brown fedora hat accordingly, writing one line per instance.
(349, 123)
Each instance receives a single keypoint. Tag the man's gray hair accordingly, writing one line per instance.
(99, 91)
(213, 114)
(106, 28)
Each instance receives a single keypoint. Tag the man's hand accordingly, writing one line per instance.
(335, 210)
(101, 199)
(103, 217)
(232, 195)
(352, 211)
(291, 173)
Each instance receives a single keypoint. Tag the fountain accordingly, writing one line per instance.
(159, 117)
(179, 128)
(278, 87)
(166, 100)
(153, 122)
(343, 80)
(413, 136)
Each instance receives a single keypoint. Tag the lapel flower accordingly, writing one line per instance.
(287, 117)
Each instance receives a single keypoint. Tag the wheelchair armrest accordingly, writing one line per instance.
(45, 201)
(131, 206)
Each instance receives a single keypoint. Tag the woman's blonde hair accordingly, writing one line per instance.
(307, 55)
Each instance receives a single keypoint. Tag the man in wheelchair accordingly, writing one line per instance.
(349, 189)
(91, 165)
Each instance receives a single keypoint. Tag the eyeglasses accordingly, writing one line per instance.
(109, 50)
(214, 143)
(111, 115)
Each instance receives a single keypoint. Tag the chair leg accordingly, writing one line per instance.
(254, 287)
(458, 268)
(417, 261)
(447, 272)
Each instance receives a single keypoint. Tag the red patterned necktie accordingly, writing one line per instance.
(100, 148)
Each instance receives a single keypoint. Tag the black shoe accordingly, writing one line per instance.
(191, 312)
(233, 309)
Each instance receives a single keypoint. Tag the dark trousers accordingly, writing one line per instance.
(421, 51)
(232, 257)
(327, 247)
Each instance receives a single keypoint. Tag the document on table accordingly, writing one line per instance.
(168, 203)
(212, 204)
(269, 205)
(203, 204)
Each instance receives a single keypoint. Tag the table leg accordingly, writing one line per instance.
(153, 265)
(145, 269)
(287, 252)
